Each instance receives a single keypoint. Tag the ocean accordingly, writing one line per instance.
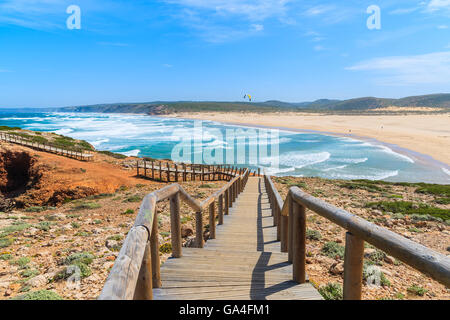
(293, 153)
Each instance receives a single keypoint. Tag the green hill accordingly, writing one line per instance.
(438, 101)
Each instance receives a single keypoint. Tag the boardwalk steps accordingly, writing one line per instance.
(243, 262)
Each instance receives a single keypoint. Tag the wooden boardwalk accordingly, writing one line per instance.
(78, 155)
(243, 262)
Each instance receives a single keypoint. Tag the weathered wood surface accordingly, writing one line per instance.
(243, 262)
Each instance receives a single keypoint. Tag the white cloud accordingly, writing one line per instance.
(442, 27)
(319, 10)
(432, 68)
(255, 10)
(435, 5)
(258, 27)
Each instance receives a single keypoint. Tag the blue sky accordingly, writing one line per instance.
(290, 50)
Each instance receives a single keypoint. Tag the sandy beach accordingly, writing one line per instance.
(425, 134)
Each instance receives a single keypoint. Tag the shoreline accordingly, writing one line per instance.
(423, 147)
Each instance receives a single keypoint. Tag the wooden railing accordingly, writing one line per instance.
(290, 219)
(137, 268)
(78, 154)
(165, 171)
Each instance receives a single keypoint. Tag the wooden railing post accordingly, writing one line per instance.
(353, 267)
(144, 287)
(278, 214)
(227, 201)
(199, 229)
(160, 171)
(175, 225)
(154, 249)
(137, 166)
(284, 233)
(212, 220)
(290, 229)
(299, 243)
(220, 210)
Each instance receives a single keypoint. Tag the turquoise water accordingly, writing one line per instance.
(300, 153)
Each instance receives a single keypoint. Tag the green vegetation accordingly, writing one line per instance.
(21, 262)
(6, 128)
(35, 209)
(75, 225)
(116, 237)
(29, 273)
(358, 105)
(44, 225)
(376, 257)
(128, 211)
(333, 249)
(15, 227)
(39, 295)
(83, 257)
(77, 263)
(5, 256)
(165, 248)
(291, 183)
(368, 185)
(208, 186)
(332, 291)
(410, 208)
(87, 206)
(114, 155)
(417, 290)
(313, 234)
(133, 199)
(6, 242)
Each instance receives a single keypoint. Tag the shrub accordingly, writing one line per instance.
(35, 209)
(44, 225)
(377, 257)
(39, 295)
(73, 268)
(112, 154)
(15, 227)
(29, 273)
(333, 250)
(410, 208)
(75, 225)
(165, 248)
(116, 237)
(313, 234)
(6, 242)
(133, 199)
(332, 291)
(5, 256)
(83, 257)
(21, 262)
(207, 186)
(128, 211)
(87, 206)
(417, 290)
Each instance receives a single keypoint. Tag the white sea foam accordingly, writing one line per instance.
(396, 154)
(63, 131)
(373, 176)
(299, 159)
(275, 171)
(335, 168)
(97, 143)
(132, 153)
(354, 161)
